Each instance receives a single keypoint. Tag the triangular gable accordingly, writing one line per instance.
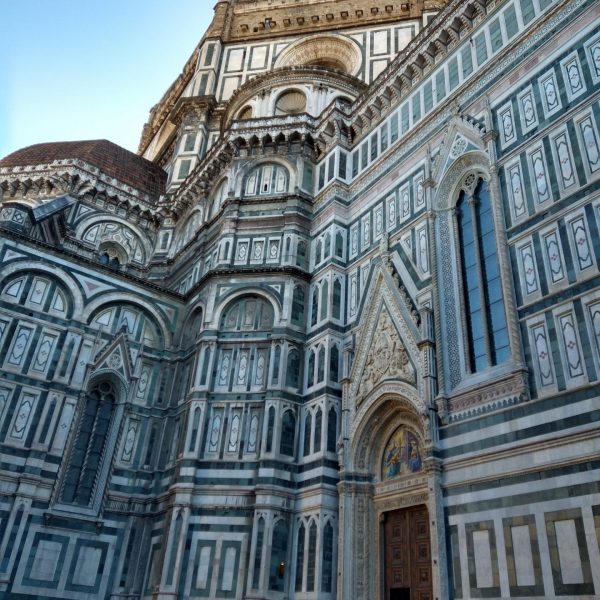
(388, 340)
(464, 135)
(115, 357)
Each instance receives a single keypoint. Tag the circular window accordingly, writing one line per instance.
(290, 103)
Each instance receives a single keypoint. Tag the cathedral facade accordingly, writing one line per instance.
(332, 334)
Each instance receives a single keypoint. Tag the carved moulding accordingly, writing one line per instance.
(387, 324)
(481, 399)
(388, 407)
(387, 358)
(339, 52)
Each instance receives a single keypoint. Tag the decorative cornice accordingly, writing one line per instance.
(77, 178)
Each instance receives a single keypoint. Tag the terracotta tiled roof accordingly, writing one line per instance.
(111, 159)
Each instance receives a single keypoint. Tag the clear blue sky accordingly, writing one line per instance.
(90, 69)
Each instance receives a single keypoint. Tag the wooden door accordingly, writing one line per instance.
(407, 557)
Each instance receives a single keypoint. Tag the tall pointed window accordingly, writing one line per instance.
(300, 557)
(278, 556)
(487, 335)
(260, 534)
(87, 453)
(288, 434)
(327, 561)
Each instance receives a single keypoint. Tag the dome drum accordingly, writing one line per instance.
(290, 91)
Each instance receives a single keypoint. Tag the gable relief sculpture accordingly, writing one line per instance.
(387, 358)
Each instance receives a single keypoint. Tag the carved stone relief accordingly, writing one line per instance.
(387, 358)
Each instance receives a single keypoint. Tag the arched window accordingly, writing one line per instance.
(339, 245)
(324, 300)
(301, 254)
(300, 557)
(267, 179)
(115, 239)
(331, 430)
(151, 446)
(219, 197)
(276, 361)
(270, 428)
(307, 432)
(194, 432)
(312, 557)
(86, 458)
(279, 544)
(327, 561)
(193, 328)
(336, 308)
(318, 430)
(334, 364)
(260, 535)
(321, 365)
(310, 376)
(314, 313)
(38, 292)
(140, 326)
(318, 252)
(288, 247)
(250, 313)
(298, 306)
(327, 245)
(288, 434)
(487, 334)
(293, 369)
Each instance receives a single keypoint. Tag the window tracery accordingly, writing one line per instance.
(487, 334)
(88, 450)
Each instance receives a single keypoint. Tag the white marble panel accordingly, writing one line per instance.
(524, 570)
(203, 566)
(568, 552)
(46, 560)
(483, 559)
(88, 563)
(228, 569)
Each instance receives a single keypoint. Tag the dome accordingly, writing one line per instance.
(111, 159)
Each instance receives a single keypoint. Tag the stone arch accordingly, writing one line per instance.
(188, 226)
(190, 322)
(115, 298)
(73, 288)
(218, 196)
(108, 439)
(87, 223)
(245, 172)
(113, 376)
(463, 174)
(378, 418)
(228, 299)
(473, 162)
